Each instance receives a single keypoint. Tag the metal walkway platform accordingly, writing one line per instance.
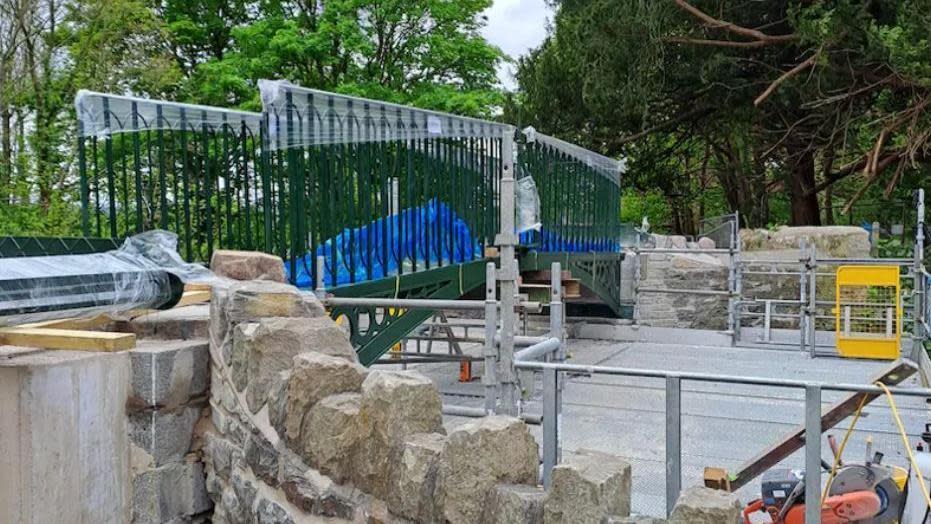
(723, 425)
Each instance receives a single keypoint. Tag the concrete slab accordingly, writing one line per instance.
(64, 442)
(723, 425)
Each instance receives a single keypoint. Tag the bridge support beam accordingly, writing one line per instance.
(507, 279)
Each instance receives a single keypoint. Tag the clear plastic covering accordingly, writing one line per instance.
(101, 114)
(609, 167)
(146, 272)
(528, 205)
(300, 117)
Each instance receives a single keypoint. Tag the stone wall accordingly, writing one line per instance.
(300, 430)
(702, 271)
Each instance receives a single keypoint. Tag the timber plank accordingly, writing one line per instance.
(69, 339)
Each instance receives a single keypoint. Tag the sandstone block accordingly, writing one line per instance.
(395, 404)
(701, 505)
(479, 455)
(313, 377)
(588, 487)
(166, 375)
(255, 299)
(272, 345)
(275, 342)
(706, 243)
(514, 504)
(413, 476)
(247, 265)
(332, 430)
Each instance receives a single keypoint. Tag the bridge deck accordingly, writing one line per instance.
(723, 425)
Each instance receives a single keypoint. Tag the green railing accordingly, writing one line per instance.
(194, 170)
(579, 195)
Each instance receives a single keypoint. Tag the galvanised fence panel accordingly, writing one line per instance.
(580, 196)
(194, 170)
(378, 189)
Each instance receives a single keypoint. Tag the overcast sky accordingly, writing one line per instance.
(516, 26)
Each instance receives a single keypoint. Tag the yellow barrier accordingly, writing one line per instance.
(868, 313)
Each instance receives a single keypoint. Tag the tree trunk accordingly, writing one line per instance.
(799, 178)
(6, 153)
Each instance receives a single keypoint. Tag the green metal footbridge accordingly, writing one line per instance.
(400, 202)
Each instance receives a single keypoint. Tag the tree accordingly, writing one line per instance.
(782, 100)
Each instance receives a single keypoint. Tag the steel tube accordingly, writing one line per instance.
(682, 251)
(490, 350)
(550, 425)
(465, 411)
(813, 454)
(673, 441)
(726, 379)
(686, 291)
(537, 350)
(408, 303)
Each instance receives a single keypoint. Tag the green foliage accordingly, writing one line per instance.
(428, 53)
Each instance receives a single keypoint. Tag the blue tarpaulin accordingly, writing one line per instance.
(399, 235)
(551, 242)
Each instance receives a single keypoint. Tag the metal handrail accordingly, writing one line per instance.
(813, 389)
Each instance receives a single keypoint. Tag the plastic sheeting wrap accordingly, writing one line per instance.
(528, 205)
(609, 168)
(426, 220)
(146, 272)
(320, 118)
(101, 114)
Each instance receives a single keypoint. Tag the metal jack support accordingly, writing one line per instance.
(490, 377)
(918, 291)
(507, 278)
(556, 331)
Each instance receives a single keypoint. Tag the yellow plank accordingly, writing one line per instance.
(71, 323)
(193, 297)
(49, 338)
(197, 286)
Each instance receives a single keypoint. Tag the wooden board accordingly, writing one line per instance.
(897, 372)
(82, 324)
(193, 297)
(49, 338)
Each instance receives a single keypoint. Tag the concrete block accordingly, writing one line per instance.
(166, 436)
(166, 375)
(171, 491)
(64, 442)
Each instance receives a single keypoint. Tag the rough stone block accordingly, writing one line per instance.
(166, 375)
(247, 265)
(165, 435)
(315, 493)
(221, 455)
(244, 488)
(614, 519)
(255, 299)
(278, 403)
(587, 487)
(701, 505)
(413, 476)
(242, 343)
(478, 455)
(270, 512)
(332, 430)
(313, 377)
(262, 458)
(514, 504)
(395, 404)
(706, 243)
(276, 341)
(171, 491)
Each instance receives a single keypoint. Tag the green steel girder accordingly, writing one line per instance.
(599, 272)
(385, 327)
